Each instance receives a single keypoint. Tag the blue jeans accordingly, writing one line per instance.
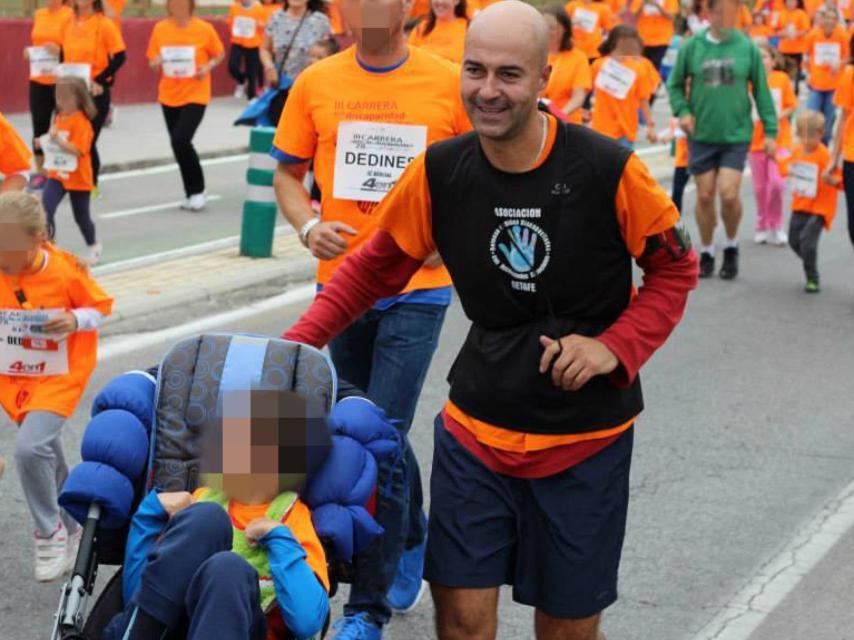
(387, 354)
(822, 101)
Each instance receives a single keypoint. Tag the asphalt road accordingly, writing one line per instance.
(746, 435)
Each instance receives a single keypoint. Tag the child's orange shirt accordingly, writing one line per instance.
(246, 24)
(619, 86)
(827, 57)
(811, 194)
(783, 94)
(80, 135)
(570, 71)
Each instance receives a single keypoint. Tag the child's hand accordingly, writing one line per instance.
(174, 501)
(831, 178)
(259, 528)
(54, 133)
(651, 135)
(62, 325)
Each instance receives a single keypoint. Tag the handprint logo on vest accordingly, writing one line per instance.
(520, 249)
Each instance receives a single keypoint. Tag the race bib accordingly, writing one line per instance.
(25, 350)
(178, 62)
(243, 27)
(827, 53)
(804, 176)
(615, 79)
(650, 10)
(371, 156)
(82, 70)
(585, 19)
(42, 62)
(55, 158)
(777, 97)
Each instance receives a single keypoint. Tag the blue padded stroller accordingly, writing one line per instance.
(144, 433)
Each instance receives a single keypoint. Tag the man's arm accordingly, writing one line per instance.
(676, 83)
(762, 95)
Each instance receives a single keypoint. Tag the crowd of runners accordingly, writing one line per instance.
(443, 140)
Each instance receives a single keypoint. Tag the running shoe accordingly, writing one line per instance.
(812, 286)
(779, 238)
(72, 548)
(707, 264)
(197, 202)
(729, 268)
(51, 555)
(240, 91)
(37, 182)
(761, 237)
(357, 627)
(96, 193)
(95, 252)
(408, 586)
(185, 205)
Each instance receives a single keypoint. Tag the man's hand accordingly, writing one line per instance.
(96, 89)
(271, 76)
(325, 241)
(686, 123)
(651, 135)
(770, 147)
(174, 501)
(578, 360)
(62, 325)
(259, 528)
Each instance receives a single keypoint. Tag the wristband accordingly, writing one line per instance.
(306, 229)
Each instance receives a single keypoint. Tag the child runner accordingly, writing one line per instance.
(591, 22)
(842, 151)
(36, 275)
(793, 25)
(569, 82)
(246, 19)
(674, 135)
(826, 51)
(768, 184)
(761, 30)
(69, 161)
(814, 193)
(622, 85)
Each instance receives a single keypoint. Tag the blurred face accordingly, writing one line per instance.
(810, 137)
(65, 99)
(628, 47)
(18, 248)
(179, 9)
(444, 9)
(84, 6)
(377, 25)
(791, 4)
(316, 53)
(555, 32)
(297, 5)
(723, 14)
(828, 21)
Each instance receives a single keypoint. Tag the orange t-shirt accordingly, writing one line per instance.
(799, 21)
(80, 134)
(844, 99)
(826, 49)
(422, 93)
(241, 20)
(655, 29)
(760, 31)
(336, 20)
(117, 7)
(811, 6)
(590, 21)
(570, 71)
(203, 38)
(298, 521)
(744, 19)
(92, 41)
(49, 27)
(613, 115)
(783, 94)
(15, 155)
(812, 166)
(643, 210)
(447, 38)
(61, 283)
(420, 8)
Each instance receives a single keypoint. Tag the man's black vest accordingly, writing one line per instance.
(530, 254)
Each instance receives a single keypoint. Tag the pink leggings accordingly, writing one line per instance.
(768, 186)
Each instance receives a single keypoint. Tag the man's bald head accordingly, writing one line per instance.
(512, 20)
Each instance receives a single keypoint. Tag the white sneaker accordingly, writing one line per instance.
(197, 202)
(780, 238)
(72, 548)
(51, 555)
(761, 237)
(240, 91)
(95, 251)
(185, 205)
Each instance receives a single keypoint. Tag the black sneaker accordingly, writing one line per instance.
(707, 265)
(729, 269)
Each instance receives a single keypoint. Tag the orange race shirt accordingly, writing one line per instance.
(15, 155)
(744, 19)
(811, 194)
(783, 94)
(420, 8)
(92, 41)
(117, 7)
(643, 210)
(616, 103)
(796, 21)
(194, 45)
(80, 134)
(61, 283)
(246, 24)
(49, 27)
(655, 29)
(446, 39)
(827, 56)
(418, 98)
(844, 99)
(570, 71)
(590, 21)
(758, 31)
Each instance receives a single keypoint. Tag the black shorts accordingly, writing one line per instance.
(557, 539)
(706, 156)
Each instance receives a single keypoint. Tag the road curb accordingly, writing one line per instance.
(133, 165)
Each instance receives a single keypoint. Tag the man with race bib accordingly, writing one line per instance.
(362, 115)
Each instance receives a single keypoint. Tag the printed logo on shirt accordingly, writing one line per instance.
(521, 249)
(719, 72)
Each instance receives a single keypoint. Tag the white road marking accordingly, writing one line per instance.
(651, 151)
(166, 168)
(124, 213)
(777, 577)
(113, 348)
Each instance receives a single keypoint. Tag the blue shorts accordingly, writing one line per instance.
(706, 156)
(557, 539)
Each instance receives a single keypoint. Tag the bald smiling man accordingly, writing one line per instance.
(538, 222)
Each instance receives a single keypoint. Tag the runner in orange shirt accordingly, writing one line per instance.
(185, 49)
(15, 158)
(826, 52)
(792, 27)
(361, 133)
(842, 151)
(761, 30)
(42, 381)
(591, 22)
(49, 25)
(622, 86)
(443, 31)
(246, 19)
(570, 80)
(94, 46)
(655, 25)
(745, 19)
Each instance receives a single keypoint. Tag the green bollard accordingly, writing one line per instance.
(259, 210)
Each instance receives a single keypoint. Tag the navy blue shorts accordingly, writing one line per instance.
(557, 539)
